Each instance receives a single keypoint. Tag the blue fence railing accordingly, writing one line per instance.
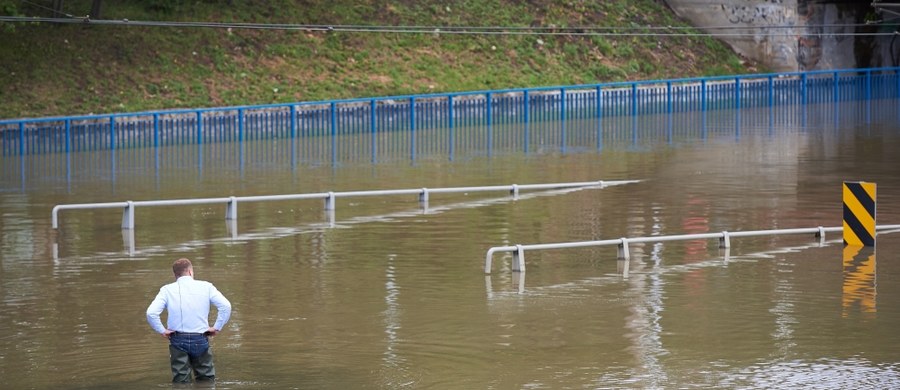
(482, 122)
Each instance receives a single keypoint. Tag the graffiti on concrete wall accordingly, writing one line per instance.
(767, 12)
(772, 23)
(762, 30)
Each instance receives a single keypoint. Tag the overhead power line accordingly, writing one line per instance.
(633, 30)
(891, 8)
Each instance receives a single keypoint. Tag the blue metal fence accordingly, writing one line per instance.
(482, 122)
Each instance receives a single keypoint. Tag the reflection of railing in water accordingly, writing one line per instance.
(476, 123)
(518, 263)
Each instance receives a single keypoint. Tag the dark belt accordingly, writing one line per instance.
(177, 333)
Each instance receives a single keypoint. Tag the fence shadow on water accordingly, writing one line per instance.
(443, 126)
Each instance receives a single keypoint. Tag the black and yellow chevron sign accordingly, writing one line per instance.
(859, 213)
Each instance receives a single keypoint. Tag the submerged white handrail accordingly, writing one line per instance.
(518, 251)
(328, 197)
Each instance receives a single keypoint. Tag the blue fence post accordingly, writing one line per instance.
(199, 128)
(68, 135)
(489, 101)
(836, 98)
(868, 96)
(22, 156)
(771, 102)
(69, 172)
(240, 125)
(737, 103)
(373, 129)
(599, 117)
(669, 112)
(737, 107)
(803, 97)
(835, 92)
(703, 108)
(562, 119)
(452, 138)
(804, 100)
(21, 138)
(412, 128)
(333, 134)
(112, 133)
(156, 150)
(634, 113)
(156, 130)
(293, 124)
(897, 94)
(200, 143)
(896, 80)
(527, 109)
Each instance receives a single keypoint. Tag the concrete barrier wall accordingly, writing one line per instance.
(797, 35)
(764, 31)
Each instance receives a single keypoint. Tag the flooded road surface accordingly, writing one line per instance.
(390, 296)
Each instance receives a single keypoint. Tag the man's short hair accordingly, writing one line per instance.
(181, 266)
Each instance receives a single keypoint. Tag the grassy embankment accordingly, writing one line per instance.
(49, 70)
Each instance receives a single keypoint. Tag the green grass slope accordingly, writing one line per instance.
(69, 69)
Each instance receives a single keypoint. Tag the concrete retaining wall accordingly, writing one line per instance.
(794, 35)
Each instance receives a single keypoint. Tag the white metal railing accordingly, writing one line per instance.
(329, 197)
(518, 264)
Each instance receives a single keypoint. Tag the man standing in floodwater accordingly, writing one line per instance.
(187, 303)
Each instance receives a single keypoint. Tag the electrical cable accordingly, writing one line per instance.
(471, 30)
(884, 7)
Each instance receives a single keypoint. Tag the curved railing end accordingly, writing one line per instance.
(488, 259)
(54, 216)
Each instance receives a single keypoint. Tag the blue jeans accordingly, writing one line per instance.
(187, 352)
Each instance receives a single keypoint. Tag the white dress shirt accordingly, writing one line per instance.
(187, 302)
